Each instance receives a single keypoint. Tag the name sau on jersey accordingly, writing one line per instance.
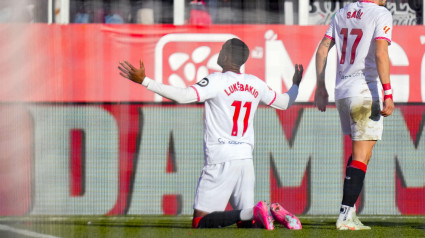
(356, 14)
(242, 88)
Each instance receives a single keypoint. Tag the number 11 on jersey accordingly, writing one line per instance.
(238, 105)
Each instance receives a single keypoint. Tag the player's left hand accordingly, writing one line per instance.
(298, 75)
(388, 107)
(130, 72)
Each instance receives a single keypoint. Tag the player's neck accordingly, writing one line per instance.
(232, 69)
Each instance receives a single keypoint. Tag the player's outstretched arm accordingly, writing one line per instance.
(180, 95)
(383, 67)
(321, 96)
(284, 101)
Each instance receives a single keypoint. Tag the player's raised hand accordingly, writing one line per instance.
(298, 75)
(321, 97)
(130, 72)
(388, 107)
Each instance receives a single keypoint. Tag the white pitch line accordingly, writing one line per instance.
(25, 232)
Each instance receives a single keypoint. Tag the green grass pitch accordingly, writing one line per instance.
(180, 226)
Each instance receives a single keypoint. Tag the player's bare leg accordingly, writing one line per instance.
(362, 150)
(353, 184)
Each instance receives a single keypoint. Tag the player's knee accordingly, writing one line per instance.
(195, 222)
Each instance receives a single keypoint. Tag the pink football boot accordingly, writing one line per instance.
(284, 217)
(262, 217)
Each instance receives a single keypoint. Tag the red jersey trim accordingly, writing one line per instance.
(330, 37)
(273, 99)
(366, 1)
(383, 38)
(197, 94)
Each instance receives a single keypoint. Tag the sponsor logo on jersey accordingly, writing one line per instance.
(386, 29)
(204, 82)
(358, 74)
(230, 142)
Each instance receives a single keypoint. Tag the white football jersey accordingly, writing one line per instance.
(355, 29)
(231, 100)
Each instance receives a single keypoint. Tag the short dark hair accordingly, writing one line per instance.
(238, 51)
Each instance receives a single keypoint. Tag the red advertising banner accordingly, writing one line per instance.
(77, 138)
(78, 63)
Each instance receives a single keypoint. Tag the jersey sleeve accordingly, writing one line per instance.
(330, 32)
(384, 27)
(284, 101)
(269, 95)
(205, 88)
(180, 95)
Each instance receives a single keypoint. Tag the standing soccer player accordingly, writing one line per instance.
(231, 99)
(361, 32)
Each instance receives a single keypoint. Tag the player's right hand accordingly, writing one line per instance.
(298, 75)
(130, 72)
(388, 107)
(321, 98)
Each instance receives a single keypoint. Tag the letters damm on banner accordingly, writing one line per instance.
(145, 159)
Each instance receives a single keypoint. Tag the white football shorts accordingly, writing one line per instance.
(232, 181)
(361, 117)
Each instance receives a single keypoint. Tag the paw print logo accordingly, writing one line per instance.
(183, 59)
(190, 68)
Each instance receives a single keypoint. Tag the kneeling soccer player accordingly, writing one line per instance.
(231, 100)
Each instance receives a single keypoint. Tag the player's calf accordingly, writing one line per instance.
(217, 219)
(226, 218)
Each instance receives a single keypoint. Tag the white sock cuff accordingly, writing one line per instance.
(247, 214)
(345, 212)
